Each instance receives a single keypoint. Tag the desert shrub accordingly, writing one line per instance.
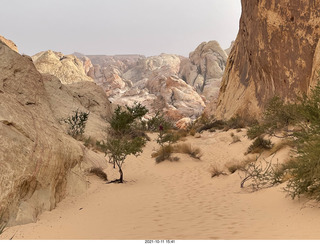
(235, 138)
(215, 171)
(181, 134)
(259, 144)
(305, 172)
(282, 144)
(277, 117)
(255, 131)
(261, 174)
(205, 122)
(77, 123)
(236, 165)
(216, 125)
(235, 122)
(123, 139)
(186, 148)
(99, 172)
(165, 152)
(158, 120)
(166, 137)
(303, 119)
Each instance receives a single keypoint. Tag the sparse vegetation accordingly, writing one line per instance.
(276, 119)
(187, 148)
(261, 174)
(99, 172)
(123, 138)
(165, 152)
(77, 123)
(259, 144)
(165, 139)
(158, 120)
(236, 165)
(235, 138)
(216, 171)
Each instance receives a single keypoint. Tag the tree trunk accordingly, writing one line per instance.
(121, 175)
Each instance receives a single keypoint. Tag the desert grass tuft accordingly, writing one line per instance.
(259, 145)
(164, 153)
(186, 148)
(233, 166)
(216, 171)
(99, 172)
(235, 138)
(282, 144)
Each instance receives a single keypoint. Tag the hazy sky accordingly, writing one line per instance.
(147, 27)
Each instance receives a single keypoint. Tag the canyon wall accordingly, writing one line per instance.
(40, 163)
(274, 54)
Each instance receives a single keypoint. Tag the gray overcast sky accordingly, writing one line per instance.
(147, 27)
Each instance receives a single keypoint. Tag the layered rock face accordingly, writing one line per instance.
(274, 54)
(39, 163)
(68, 68)
(204, 69)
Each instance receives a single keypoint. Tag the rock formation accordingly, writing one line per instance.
(9, 43)
(204, 69)
(39, 163)
(228, 50)
(134, 78)
(68, 68)
(127, 79)
(275, 53)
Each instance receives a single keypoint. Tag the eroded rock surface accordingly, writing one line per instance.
(133, 78)
(204, 69)
(9, 43)
(68, 68)
(275, 53)
(39, 163)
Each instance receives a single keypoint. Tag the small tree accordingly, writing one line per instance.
(165, 139)
(77, 123)
(123, 139)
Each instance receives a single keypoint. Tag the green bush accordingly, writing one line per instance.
(259, 144)
(255, 131)
(77, 123)
(277, 117)
(304, 117)
(158, 120)
(123, 139)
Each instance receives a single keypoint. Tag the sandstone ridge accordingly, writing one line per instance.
(39, 163)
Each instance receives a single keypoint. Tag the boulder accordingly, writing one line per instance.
(204, 69)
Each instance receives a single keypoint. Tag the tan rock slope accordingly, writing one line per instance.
(68, 68)
(9, 43)
(39, 163)
(274, 53)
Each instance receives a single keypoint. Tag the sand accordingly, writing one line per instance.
(179, 201)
